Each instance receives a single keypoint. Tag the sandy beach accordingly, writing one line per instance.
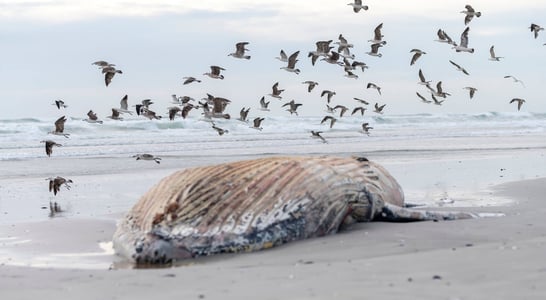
(69, 256)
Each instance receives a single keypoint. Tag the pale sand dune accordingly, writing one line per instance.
(474, 259)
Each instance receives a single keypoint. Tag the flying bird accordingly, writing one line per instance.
(109, 73)
(243, 114)
(422, 79)
(416, 54)
(469, 14)
(257, 123)
(366, 128)
(379, 108)
(515, 79)
(263, 104)
(535, 29)
(49, 144)
(357, 6)
(358, 109)
(220, 131)
(316, 134)
(292, 107)
(378, 37)
(282, 57)
(463, 46)
(329, 95)
(59, 127)
(115, 114)
(146, 156)
(436, 101)
(444, 38)
(361, 101)
(343, 109)
(459, 67)
(493, 57)
(92, 117)
(215, 72)
(471, 91)
(310, 85)
(240, 51)
(276, 92)
(423, 99)
(291, 67)
(56, 183)
(374, 86)
(59, 103)
(375, 50)
(189, 79)
(329, 118)
(519, 101)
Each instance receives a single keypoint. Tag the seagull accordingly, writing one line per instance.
(173, 111)
(379, 108)
(346, 53)
(329, 94)
(56, 183)
(459, 67)
(374, 86)
(49, 146)
(293, 106)
(378, 37)
(439, 92)
(331, 119)
(330, 109)
(416, 54)
(59, 103)
(343, 109)
(150, 114)
(316, 134)
(115, 114)
(189, 79)
(357, 6)
(146, 156)
(59, 127)
(240, 51)
(375, 50)
(218, 107)
(102, 63)
(492, 53)
(463, 46)
(276, 93)
(291, 67)
(515, 79)
(243, 114)
(109, 73)
(350, 74)
(215, 72)
(343, 44)
(123, 107)
(256, 124)
(333, 58)
(471, 90)
(366, 128)
(535, 29)
(355, 64)
(361, 101)
(220, 131)
(283, 57)
(359, 109)
(263, 104)
(92, 117)
(422, 79)
(181, 100)
(444, 38)
(323, 48)
(423, 99)
(186, 110)
(310, 85)
(469, 14)
(519, 101)
(436, 101)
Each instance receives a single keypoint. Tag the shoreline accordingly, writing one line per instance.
(466, 259)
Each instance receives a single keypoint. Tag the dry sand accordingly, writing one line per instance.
(489, 258)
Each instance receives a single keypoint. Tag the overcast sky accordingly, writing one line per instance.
(48, 46)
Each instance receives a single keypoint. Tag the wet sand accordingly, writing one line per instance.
(69, 256)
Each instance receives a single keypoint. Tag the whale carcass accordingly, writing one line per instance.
(257, 204)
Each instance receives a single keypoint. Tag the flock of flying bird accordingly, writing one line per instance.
(335, 53)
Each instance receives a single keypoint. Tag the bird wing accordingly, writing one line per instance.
(292, 60)
(421, 76)
(492, 51)
(59, 124)
(464, 37)
(415, 57)
(377, 32)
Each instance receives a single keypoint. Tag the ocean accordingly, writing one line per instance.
(20, 138)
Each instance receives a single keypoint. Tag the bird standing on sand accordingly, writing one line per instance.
(146, 156)
(56, 183)
(240, 51)
(49, 146)
(519, 101)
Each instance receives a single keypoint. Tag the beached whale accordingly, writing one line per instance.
(257, 204)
